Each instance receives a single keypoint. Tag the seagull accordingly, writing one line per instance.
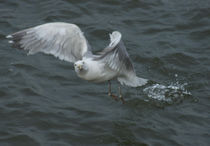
(67, 42)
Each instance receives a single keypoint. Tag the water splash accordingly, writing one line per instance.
(173, 93)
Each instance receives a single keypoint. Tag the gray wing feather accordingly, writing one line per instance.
(63, 40)
(115, 55)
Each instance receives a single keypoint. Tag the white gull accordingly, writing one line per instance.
(67, 42)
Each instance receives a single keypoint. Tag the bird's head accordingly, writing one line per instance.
(80, 66)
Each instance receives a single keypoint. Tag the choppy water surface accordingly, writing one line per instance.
(43, 102)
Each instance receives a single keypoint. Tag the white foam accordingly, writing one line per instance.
(169, 94)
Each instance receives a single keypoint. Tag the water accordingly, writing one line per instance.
(167, 94)
(43, 102)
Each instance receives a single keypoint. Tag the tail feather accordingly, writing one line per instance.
(132, 81)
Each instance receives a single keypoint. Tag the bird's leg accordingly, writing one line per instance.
(110, 92)
(120, 96)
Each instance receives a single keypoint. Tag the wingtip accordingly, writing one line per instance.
(11, 42)
(9, 36)
(115, 37)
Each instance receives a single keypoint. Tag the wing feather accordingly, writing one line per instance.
(115, 55)
(63, 40)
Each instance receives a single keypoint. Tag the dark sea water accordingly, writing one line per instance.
(43, 102)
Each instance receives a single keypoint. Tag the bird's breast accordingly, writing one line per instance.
(97, 72)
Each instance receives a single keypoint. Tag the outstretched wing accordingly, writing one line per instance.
(63, 40)
(116, 57)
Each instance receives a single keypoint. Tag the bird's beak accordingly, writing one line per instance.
(80, 67)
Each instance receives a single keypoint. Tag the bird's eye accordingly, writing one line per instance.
(82, 62)
(74, 64)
